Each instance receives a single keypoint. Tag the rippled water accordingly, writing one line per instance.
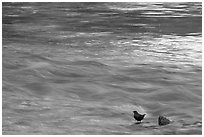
(82, 68)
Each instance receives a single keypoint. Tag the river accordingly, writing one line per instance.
(82, 68)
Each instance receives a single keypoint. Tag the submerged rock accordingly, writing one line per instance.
(163, 121)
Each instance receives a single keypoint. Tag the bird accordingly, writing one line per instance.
(138, 116)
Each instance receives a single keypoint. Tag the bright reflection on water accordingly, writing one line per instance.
(82, 68)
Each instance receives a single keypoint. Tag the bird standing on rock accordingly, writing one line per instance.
(138, 116)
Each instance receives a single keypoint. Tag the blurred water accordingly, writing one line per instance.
(82, 68)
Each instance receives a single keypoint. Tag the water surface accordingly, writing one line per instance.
(82, 68)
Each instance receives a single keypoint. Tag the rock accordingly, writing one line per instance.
(163, 121)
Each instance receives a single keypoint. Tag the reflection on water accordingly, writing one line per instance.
(82, 68)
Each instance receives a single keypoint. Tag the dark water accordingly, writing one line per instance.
(82, 68)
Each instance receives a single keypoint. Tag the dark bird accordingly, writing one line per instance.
(138, 116)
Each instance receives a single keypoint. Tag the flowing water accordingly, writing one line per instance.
(82, 68)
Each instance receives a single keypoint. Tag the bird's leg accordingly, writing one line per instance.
(138, 122)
